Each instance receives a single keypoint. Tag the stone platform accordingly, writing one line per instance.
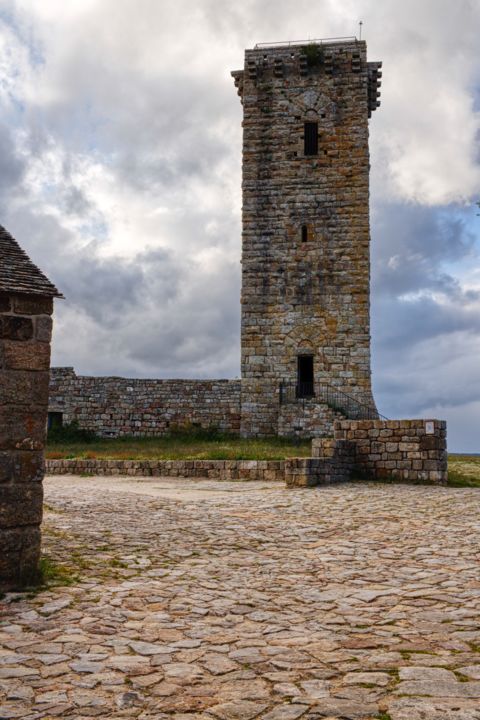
(200, 600)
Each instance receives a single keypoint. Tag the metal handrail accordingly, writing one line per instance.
(293, 43)
(350, 406)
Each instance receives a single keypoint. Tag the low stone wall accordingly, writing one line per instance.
(215, 469)
(113, 406)
(406, 450)
(333, 463)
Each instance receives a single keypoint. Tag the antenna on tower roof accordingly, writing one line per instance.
(360, 29)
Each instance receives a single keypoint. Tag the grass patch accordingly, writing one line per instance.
(55, 532)
(53, 574)
(49, 508)
(464, 471)
(314, 54)
(70, 432)
(197, 445)
(115, 563)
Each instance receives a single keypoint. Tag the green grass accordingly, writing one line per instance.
(178, 446)
(48, 574)
(314, 54)
(52, 574)
(463, 471)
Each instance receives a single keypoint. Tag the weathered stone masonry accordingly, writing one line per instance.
(26, 303)
(305, 259)
(410, 450)
(113, 406)
(391, 450)
(264, 470)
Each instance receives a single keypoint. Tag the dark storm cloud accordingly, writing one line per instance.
(168, 321)
(414, 245)
(417, 389)
(155, 314)
(398, 324)
(423, 319)
(199, 329)
(168, 318)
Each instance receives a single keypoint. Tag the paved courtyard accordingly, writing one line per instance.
(232, 601)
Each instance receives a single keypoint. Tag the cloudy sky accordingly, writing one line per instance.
(120, 169)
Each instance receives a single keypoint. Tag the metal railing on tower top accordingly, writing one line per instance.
(294, 43)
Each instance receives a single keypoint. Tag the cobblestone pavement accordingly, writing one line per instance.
(232, 601)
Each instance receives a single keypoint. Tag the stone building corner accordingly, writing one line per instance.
(26, 305)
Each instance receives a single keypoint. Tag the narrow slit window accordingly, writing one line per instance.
(311, 138)
(305, 379)
(54, 420)
(304, 233)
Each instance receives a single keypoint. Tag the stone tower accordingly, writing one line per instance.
(305, 255)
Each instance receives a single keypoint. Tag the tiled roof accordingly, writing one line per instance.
(18, 273)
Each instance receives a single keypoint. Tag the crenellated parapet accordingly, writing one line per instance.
(374, 83)
(330, 58)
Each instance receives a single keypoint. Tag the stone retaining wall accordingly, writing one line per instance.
(333, 463)
(215, 469)
(113, 406)
(407, 450)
